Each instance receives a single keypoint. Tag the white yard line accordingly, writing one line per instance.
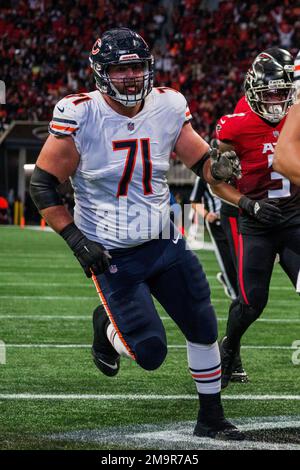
(74, 396)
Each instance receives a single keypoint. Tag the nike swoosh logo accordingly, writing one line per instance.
(176, 241)
(60, 109)
(114, 367)
(222, 122)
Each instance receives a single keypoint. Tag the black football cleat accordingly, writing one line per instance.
(105, 357)
(239, 375)
(211, 421)
(227, 359)
(221, 429)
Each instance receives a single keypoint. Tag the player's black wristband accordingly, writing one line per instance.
(247, 204)
(92, 256)
(72, 235)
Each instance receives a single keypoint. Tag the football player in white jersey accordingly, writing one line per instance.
(115, 144)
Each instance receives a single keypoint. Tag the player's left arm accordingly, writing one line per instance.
(260, 210)
(287, 151)
(207, 163)
(227, 193)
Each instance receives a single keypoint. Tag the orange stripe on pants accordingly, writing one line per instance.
(109, 314)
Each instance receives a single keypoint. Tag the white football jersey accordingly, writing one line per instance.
(121, 191)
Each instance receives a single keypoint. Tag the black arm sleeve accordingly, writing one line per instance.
(43, 189)
(198, 167)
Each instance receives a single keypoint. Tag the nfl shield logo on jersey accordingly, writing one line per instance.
(276, 133)
(113, 269)
(130, 126)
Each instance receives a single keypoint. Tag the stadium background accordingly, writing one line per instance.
(203, 49)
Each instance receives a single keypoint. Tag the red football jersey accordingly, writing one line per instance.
(254, 141)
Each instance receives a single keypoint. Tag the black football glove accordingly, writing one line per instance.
(224, 166)
(263, 211)
(92, 256)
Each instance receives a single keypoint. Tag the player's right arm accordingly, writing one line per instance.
(57, 161)
(287, 151)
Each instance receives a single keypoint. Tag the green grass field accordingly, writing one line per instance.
(45, 321)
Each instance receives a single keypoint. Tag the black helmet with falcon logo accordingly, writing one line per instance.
(269, 86)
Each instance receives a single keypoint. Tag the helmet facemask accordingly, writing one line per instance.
(269, 86)
(126, 90)
(272, 102)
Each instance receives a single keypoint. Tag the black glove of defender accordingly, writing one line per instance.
(263, 211)
(92, 256)
(224, 165)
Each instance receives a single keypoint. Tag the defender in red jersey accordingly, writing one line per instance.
(289, 262)
(254, 141)
(269, 223)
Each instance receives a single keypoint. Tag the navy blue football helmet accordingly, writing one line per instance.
(117, 47)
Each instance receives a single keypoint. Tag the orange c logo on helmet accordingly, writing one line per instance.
(96, 47)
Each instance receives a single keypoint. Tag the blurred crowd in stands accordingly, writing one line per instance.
(213, 45)
(44, 47)
(202, 48)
